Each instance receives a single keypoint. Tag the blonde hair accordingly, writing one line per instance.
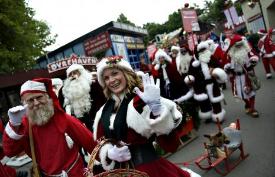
(132, 81)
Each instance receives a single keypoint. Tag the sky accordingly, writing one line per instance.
(70, 19)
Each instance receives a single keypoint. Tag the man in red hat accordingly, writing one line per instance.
(57, 136)
(241, 63)
(267, 50)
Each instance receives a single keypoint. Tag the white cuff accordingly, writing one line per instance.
(11, 133)
(103, 156)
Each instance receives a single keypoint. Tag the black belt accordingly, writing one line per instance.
(143, 153)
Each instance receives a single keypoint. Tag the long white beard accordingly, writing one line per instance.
(205, 56)
(42, 115)
(239, 55)
(78, 93)
(184, 63)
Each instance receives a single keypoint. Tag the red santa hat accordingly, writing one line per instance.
(110, 62)
(32, 87)
(177, 48)
(40, 85)
(262, 32)
(160, 53)
(236, 39)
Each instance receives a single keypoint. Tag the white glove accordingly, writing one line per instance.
(151, 94)
(16, 114)
(120, 154)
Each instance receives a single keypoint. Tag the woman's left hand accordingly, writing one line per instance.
(151, 94)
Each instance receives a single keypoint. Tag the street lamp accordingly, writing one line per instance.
(252, 4)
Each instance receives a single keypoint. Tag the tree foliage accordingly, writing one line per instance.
(22, 38)
(123, 19)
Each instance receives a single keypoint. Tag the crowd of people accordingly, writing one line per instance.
(135, 110)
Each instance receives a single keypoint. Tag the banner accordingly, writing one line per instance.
(73, 59)
(189, 20)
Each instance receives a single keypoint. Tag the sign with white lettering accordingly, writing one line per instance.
(73, 59)
(96, 44)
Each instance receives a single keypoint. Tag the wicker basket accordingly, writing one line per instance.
(121, 172)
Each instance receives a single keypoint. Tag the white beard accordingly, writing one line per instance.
(205, 56)
(239, 55)
(42, 115)
(184, 63)
(78, 93)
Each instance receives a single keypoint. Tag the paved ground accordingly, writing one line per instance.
(258, 134)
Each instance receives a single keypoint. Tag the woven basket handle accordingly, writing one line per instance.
(102, 142)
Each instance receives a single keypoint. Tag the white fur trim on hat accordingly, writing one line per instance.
(175, 48)
(74, 67)
(162, 53)
(32, 87)
(110, 62)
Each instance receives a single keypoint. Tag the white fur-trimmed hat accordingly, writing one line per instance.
(177, 48)
(74, 67)
(110, 62)
(32, 87)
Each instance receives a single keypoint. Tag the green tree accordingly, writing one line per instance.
(123, 19)
(22, 38)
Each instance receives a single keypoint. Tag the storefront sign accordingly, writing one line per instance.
(74, 59)
(97, 44)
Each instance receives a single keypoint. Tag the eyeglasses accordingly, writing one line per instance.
(39, 98)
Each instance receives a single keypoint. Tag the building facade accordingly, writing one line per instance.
(112, 38)
(259, 14)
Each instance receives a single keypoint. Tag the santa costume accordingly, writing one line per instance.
(208, 76)
(56, 143)
(241, 63)
(82, 96)
(183, 62)
(132, 123)
(267, 50)
(218, 55)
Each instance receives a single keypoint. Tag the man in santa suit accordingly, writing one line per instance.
(83, 95)
(185, 96)
(208, 76)
(241, 63)
(267, 51)
(57, 136)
